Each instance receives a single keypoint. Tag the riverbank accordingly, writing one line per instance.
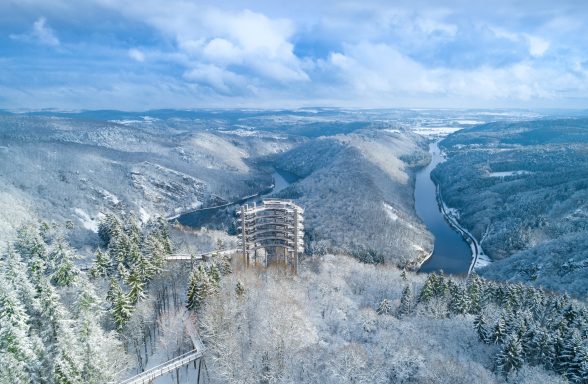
(479, 259)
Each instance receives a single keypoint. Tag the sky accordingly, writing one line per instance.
(140, 55)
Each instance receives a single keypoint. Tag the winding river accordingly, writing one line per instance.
(216, 215)
(452, 254)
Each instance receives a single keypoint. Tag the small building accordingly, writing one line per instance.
(271, 233)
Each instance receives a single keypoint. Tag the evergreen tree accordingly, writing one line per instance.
(200, 287)
(384, 308)
(405, 301)
(136, 286)
(474, 292)
(64, 269)
(458, 303)
(510, 357)
(17, 356)
(101, 266)
(215, 276)
(580, 375)
(569, 359)
(427, 292)
(225, 265)
(60, 357)
(239, 288)
(480, 326)
(156, 251)
(542, 349)
(15, 274)
(102, 354)
(121, 307)
(499, 331)
(163, 228)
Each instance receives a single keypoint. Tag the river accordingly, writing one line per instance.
(452, 254)
(216, 217)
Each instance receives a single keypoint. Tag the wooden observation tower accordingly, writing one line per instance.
(271, 233)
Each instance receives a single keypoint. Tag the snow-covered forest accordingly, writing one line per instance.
(342, 321)
(522, 190)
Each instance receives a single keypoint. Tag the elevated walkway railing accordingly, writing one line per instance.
(151, 374)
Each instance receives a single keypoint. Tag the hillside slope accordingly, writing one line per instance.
(71, 169)
(522, 190)
(357, 190)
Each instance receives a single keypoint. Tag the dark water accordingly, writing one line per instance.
(219, 217)
(452, 254)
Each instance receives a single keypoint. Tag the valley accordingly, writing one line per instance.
(381, 202)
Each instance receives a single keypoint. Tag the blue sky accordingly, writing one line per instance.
(138, 55)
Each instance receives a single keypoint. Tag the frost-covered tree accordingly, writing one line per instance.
(199, 288)
(405, 301)
(215, 276)
(64, 269)
(480, 325)
(102, 354)
(384, 308)
(18, 359)
(239, 288)
(510, 358)
(121, 307)
(136, 283)
(102, 265)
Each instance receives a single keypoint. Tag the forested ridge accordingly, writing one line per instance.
(521, 188)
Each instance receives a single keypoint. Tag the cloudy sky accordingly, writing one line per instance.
(138, 55)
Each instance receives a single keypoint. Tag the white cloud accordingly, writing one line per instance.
(40, 33)
(216, 38)
(136, 55)
(217, 78)
(537, 45)
(222, 50)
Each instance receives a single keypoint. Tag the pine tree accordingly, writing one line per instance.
(108, 228)
(156, 251)
(480, 326)
(406, 301)
(65, 272)
(30, 244)
(510, 357)
(225, 265)
(384, 308)
(542, 349)
(458, 303)
(215, 276)
(427, 292)
(121, 307)
(200, 287)
(101, 266)
(474, 292)
(136, 286)
(581, 374)
(102, 354)
(240, 289)
(60, 358)
(163, 228)
(569, 362)
(15, 274)
(499, 331)
(17, 356)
